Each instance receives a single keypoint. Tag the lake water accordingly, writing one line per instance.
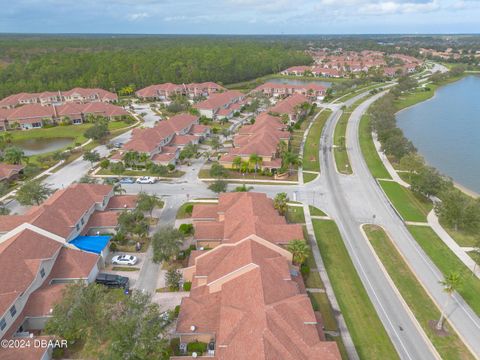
(38, 146)
(446, 130)
(298, 82)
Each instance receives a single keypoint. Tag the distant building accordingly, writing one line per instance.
(168, 90)
(221, 105)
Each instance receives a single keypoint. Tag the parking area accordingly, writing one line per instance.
(134, 269)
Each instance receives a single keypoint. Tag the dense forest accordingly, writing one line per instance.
(51, 63)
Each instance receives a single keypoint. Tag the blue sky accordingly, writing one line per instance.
(240, 16)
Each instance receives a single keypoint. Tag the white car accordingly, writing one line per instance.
(146, 180)
(124, 260)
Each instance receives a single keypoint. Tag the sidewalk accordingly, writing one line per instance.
(432, 219)
(342, 326)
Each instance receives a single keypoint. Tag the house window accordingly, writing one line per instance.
(82, 221)
(13, 311)
(42, 272)
(78, 227)
(3, 324)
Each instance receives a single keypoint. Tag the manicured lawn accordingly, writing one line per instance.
(369, 152)
(181, 213)
(424, 309)
(370, 338)
(312, 143)
(461, 237)
(339, 140)
(415, 97)
(307, 177)
(295, 214)
(316, 212)
(448, 262)
(410, 206)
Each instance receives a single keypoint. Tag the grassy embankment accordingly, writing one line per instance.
(423, 308)
(448, 262)
(368, 334)
(412, 207)
(312, 280)
(312, 145)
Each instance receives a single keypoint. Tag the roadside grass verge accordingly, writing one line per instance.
(307, 177)
(449, 347)
(448, 262)
(295, 214)
(339, 140)
(409, 205)
(237, 175)
(312, 143)
(367, 331)
(461, 237)
(370, 154)
(125, 268)
(415, 96)
(184, 210)
(316, 211)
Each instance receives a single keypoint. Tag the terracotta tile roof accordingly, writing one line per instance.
(251, 306)
(199, 129)
(60, 212)
(102, 219)
(182, 121)
(22, 252)
(204, 211)
(73, 264)
(167, 89)
(258, 217)
(216, 101)
(41, 301)
(121, 202)
(8, 170)
(181, 140)
(289, 104)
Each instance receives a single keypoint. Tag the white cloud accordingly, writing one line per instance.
(137, 16)
(392, 7)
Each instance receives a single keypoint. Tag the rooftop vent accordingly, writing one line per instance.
(193, 328)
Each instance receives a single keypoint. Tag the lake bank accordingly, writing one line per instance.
(445, 128)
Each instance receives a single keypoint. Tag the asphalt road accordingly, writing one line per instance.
(366, 198)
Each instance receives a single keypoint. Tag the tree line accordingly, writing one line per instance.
(116, 63)
(455, 209)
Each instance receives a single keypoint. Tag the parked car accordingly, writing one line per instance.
(118, 145)
(124, 260)
(146, 180)
(127, 180)
(112, 280)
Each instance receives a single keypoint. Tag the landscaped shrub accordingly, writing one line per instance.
(197, 346)
(186, 229)
(176, 311)
(104, 163)
(113, 246)
(305, 270)
(189, 209)
(187, 286)
(175, 346)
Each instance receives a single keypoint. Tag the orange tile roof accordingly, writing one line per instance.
(218, 100)
(120, 202)
(288, 105)
(258, 217)
(73, 264)
(257, 311)
(20, 258)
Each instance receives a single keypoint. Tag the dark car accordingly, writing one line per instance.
(112, 280)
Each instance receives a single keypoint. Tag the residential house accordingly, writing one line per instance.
(221, 105)
(43, 250)
(291, 107)
(35, 115)
(76, 95)
(168, 90)
(311, 90)
(297, 70)
(261, 138)
(163, 142)
(247, 299)
(216, 224)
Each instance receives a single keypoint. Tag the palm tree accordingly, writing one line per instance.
(450, 284)
(13, 155)
(255, 160)
(290, 159)
(237, 162)
(282, 148)
(130, 158)
(244, 166)
(299, 250)
(280, 203)
(143, 158)
(118, 189)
